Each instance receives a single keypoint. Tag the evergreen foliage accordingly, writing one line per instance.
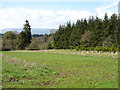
(24, 38)
(100, 34)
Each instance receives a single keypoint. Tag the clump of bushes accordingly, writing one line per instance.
(98, 49)
(32, 48)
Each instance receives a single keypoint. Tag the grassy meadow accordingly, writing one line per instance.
(59, 69)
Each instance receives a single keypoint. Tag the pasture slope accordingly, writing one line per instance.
(59, 69)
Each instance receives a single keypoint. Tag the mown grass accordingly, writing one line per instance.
(57, 70)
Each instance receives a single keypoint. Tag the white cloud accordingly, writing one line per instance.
(15, 17)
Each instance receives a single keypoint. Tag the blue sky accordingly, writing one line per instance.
(56, 5)
(51, 14)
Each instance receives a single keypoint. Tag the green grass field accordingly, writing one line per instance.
(59, 69)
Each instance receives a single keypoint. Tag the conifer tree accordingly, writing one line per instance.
(24, 38)
(27, 31)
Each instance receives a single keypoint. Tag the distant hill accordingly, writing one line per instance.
(33, 30)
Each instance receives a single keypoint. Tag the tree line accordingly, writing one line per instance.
(12, 40)
(92, 34)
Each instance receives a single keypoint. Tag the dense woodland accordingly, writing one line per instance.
(95, 33)
(92, 34)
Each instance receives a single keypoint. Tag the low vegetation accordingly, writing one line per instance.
(59, 69)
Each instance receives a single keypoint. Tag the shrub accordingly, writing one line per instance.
(81, 48)
(77, 48)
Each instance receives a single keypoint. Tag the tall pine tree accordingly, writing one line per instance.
(24, 38)
(27, 31)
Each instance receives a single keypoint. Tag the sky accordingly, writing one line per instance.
(49, 14)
